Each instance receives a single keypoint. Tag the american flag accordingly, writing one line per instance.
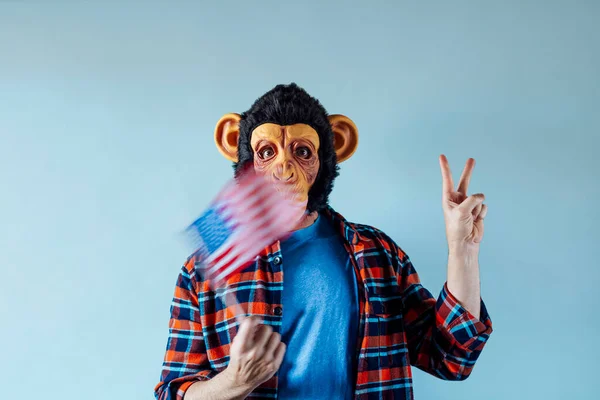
(249, 214)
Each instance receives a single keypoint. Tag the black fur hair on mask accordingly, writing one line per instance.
(288, 105)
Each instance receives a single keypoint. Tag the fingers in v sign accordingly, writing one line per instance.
(463, 214)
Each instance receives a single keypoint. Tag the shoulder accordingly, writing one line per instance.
(189, 270)
(382, 257)
(371, 236)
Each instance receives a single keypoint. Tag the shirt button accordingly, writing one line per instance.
(277, 260)
(278, 310)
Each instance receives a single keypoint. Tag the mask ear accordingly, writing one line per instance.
(345, 136)
(227, 133)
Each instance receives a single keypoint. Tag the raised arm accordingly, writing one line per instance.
(444, 338)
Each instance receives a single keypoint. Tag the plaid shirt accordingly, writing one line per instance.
(400, 322)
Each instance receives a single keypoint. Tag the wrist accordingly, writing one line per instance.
(463, 249)
(235, 384)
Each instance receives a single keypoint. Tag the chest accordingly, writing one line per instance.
(261, 289)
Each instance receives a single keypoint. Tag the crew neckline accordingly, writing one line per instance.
(306, 233)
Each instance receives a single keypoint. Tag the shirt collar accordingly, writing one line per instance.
(347, 229)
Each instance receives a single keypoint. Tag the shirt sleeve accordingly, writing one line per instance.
(186, 360)
(444, 339)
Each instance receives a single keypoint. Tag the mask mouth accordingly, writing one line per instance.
(292, 191)
(290, 187)
(291, 184)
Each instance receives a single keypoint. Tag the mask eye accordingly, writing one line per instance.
(303, 152)
(266, 153)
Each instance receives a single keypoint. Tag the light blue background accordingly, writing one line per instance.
(106, 152)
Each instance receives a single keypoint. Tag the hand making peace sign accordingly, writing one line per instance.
(463, 214)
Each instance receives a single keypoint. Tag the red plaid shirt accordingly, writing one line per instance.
(400, 323)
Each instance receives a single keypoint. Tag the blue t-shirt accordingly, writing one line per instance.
(320, 315)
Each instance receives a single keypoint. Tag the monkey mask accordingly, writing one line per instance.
(288, 136)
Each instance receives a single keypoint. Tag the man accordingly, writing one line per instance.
(336, 309)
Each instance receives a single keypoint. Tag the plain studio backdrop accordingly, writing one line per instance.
(107, 113)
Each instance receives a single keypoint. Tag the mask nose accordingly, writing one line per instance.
(284, 178)
(284, 172)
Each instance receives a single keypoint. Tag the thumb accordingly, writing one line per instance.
(471, 202)
(246, 331)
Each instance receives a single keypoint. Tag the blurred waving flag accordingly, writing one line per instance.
(249, 214)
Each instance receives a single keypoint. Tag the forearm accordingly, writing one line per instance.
(463, 277)
(221, 387)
